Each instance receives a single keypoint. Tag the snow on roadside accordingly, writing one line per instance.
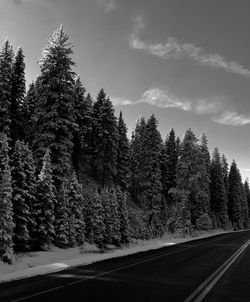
(39, 263)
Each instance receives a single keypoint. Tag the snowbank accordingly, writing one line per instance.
(39, 263)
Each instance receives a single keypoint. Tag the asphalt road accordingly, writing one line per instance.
(168, 274)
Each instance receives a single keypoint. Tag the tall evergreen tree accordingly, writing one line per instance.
(20, 198)
(54, 113)
(224, 165)
(45, 216)
(105, 136)
(247, 191)
(235, 197)
(170, 159)
(75, 212)
(82, 155)
(218, 192)
(123, 164)
(244, 207)
(137, 159)
(17, 96)
(28, 112)
(205, 151)
(6, 211)
(192, 181)
(151, 176)
(6, 60)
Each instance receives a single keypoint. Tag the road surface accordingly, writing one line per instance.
(210, 269)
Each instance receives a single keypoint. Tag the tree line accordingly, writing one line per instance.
(69, 173)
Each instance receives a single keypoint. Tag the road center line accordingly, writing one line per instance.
(112, 271)
(200, 293)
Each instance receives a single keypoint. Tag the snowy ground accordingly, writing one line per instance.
(38, 263)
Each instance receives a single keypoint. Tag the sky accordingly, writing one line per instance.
(188, 62)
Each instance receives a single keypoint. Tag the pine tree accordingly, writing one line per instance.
(17, 96)
(235, 197)
(82, 155)
(6, 59)
(54, 113)
(247, 191)
(95, 228)
(244, 207)
(111, 216)
(151, 176)
(170, 159)
(45, 218)
(123, 215)
(192, 181)
(31, 185)
(224, 165)
(6, 211)
(205, 151)
(28, 112)
(62, 218)
(20, 200)
(105, 136)
(123, 164)
(137, 158)
(75, 212)
(218, 192)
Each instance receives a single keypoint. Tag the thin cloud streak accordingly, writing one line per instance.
(165, 99)
(232, 118)
(176, 50)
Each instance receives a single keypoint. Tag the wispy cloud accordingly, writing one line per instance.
(164, 99)
(213, 107)
(232, 118)
(108, 5)
(172, 48)
(207, 106)
(121, 101)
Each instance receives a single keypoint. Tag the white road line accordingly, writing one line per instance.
(200, 293)
(112, 271)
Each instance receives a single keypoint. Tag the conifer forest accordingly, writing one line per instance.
(69, 174)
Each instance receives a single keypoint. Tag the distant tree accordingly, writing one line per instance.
(17, 96)
(123, 163)
(82, 152)
(54, 111)
(235, 197)
(45, 216)
(75, 212)
(105, 136)
(123, 215)
(6, 211)
(6, 60)
(20, 198)
(218, 192)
